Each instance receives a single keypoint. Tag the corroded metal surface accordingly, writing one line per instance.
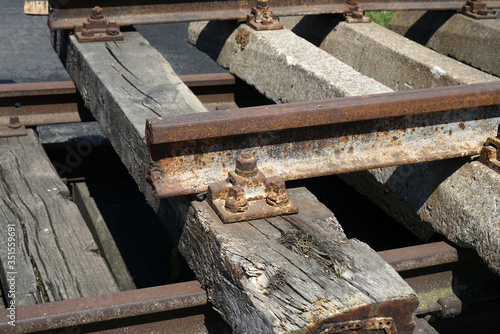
(114, 312)
(399, 311)
(214, 90)
(13, 129)
(208, 80)
(58, 102)
(36, 89)
(450, 306)
(67, 14)
(477, 9)
(354, 13)
(490, 154)
(420, 256)
(249, 195)
(430, 286)
(309, 139)
(424, 268)
(374, 325)
(322, 112)
(97, 28)
(262, 17)
(42, 103)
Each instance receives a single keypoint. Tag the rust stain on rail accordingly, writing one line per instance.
(57, 102)
(66, 14)
(121, 307)
(396, 312)
(421, 256)
(302, 140)
(323, 112)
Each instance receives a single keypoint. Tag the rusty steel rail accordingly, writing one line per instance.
(66, 14)
(42, 103)
(178, 307)
(316, 138)
(421, 256)
(323, 112)
(426, 268)
(58, 102)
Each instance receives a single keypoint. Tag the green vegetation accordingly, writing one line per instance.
(302, 242)
(382, 18)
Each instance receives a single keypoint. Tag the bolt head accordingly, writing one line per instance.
(262, 4)
(277, 195)
(246, 165)
(236, 200)
(236, 193)
(87, 32)
(97, 13)
(357, 14)
(277, 185)
(14, 122)
(112, 29)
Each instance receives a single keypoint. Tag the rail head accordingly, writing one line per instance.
(318, 113)
(99, 310)
(310, 139)
(66, 14)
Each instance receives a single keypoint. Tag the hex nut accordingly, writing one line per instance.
(277, 195)
(236, 200)
(246, 165)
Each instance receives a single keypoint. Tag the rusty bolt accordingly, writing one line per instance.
(277, 195)
(262, 4)
(14, 122)
(236, 200)
(97, 13)
(357, 14)
(246, 165)
(489, 153)
(112, 29)
(87, 30)
(267, 17)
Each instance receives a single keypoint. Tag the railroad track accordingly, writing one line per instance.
(464, 116)
(214, 91)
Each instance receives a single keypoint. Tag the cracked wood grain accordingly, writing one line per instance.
(123, 83)
(263, 285)
(258, 282)
(55, 254)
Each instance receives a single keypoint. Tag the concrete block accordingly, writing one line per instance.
(281, 65)
(426, 197)
(474, 42)
(457, 198)
(384, 55)
(471, 217)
